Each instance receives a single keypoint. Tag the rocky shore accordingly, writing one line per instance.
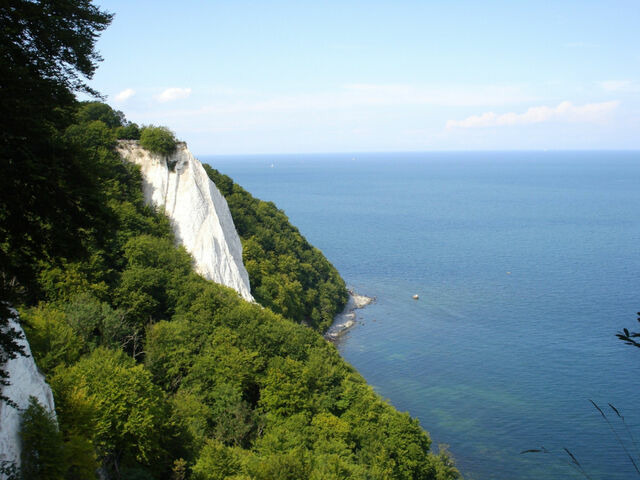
(347, 318)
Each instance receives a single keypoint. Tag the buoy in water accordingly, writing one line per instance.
(416, 297)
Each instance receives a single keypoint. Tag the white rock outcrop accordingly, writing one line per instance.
(197, 210)
(25, 381)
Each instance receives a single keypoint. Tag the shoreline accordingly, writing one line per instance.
(346, 319)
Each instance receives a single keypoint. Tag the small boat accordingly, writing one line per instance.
(416, 297)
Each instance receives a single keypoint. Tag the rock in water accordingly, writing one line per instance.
(199, 214)
(25, 381)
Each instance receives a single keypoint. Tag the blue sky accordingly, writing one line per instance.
(238, 77)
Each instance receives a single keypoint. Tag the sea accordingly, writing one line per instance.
(526, 265)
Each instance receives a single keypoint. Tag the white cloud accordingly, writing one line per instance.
(124, 95)
(624, 86)
(358, 96)
(564, 112)
(448, 95)
(171, 94)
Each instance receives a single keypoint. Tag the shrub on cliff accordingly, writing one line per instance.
(158, 140)
(130, 131)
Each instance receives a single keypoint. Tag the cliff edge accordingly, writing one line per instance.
(178, 185)
(25, 381)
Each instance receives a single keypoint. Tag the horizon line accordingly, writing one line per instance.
(381, 152)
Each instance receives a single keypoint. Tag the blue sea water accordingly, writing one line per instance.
(526, 265)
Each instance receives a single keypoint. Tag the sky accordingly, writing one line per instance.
(238, 77)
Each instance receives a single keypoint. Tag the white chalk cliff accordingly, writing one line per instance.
(25, 381)
(197, 210)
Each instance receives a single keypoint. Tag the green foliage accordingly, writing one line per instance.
(290, 465)
(287, 274)
(77, 413)
(149, 286)
(92, 111)
(237, 370)
(216, 462)
(158, 140)
(52, 41)
(180, 469)
(131, 412)
(95, 322)
(47, 48)
(94, 134)
(51, 338)
(128, 132)
(444, 465)
(42, 448)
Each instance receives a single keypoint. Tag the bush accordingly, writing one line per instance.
(159, 140)
(128, 132)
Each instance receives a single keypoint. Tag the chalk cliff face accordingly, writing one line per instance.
(198, 212)
(25, 381)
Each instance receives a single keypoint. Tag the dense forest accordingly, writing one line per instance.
(158, 373)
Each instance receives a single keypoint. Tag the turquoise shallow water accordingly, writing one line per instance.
(526, 264)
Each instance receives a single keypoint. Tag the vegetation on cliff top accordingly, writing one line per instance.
(159, 140)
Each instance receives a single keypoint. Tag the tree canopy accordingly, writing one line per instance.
(47, 50)
(51, 42)
(158, 140)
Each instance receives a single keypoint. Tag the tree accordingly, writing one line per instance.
(47, 49)
(51, 338)
(76, 412)
(131, 417)
(42, 448)
(216, 462)
(91, 111)
(130, 131)
(52, 41)
(159, 140)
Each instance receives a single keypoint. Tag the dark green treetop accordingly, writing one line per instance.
(91, 111)
(158, 140)
(47, 50)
